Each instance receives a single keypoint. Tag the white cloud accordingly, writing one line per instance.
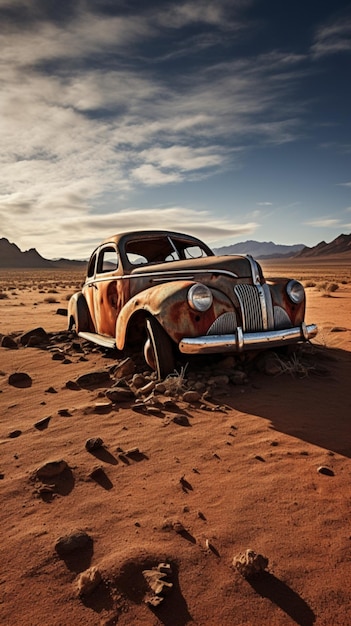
(333, 38)
(324, 223)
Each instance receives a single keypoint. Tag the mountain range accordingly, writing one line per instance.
(12, 257)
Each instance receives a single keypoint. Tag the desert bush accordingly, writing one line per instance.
(50, 300)
(310, 283)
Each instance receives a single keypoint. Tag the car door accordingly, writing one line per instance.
(106, 287)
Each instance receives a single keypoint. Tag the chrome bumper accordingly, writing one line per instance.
(240, 341)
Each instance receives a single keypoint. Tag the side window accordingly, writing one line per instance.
(194, 252)
(108, 260)
(91, 266)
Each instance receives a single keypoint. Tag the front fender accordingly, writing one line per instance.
(168, 303)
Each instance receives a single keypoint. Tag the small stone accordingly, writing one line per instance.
(42, 424)
(249, 563)
(124, 368)
(327, 471)
(8, 342)
(219, 380)
(39, 333)
(139, 380)
(58, 356)
(50, 390)
(62, 312)
(88, 581)
(20, 379)
(94, 443)
(93, 379)
(51, 469)
(74, 541)
(14, 434)
(181, 420)
(178, 527)
(103, 407)
(146, 389)
(191, 396)
(119, 394)
(64, 413)
(160, 387)
(239, 378)
(72, 385)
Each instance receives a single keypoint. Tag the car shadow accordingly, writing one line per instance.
(315, 409)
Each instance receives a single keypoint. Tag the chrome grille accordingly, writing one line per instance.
(250, 305)
(225, 324)
(281, 318)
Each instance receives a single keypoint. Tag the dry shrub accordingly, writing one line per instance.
(293, 366)
(50, 300)
(327, 288)
(310, 283)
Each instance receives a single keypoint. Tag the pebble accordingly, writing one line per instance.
(94, 443)
(191, 396)
(15, 433)
(71, 542)
(8, 342)
(42, 424)
(88, 581)
(327, 471)
(20, 379)
(51, 469)
(93, 378)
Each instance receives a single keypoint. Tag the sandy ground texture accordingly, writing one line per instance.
(117, 493)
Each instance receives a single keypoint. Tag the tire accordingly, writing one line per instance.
(158, 350)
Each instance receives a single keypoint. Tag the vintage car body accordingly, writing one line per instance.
(168, 292)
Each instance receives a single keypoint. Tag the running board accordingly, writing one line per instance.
(101, 340)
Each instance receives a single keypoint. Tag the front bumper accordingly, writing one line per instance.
(241, 341)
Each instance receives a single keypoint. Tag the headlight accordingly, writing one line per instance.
(200, 297)
(295, 291)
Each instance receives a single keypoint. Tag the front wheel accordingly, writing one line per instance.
(158, 349)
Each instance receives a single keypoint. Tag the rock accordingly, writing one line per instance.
(124, 368)
(94, 443)
(74, 541)
(146, 389)
(58, 356)
(88, 581)
(181, 420)
(219, 380)
(51, 469)
(249, 563)
(239, 378)
(119, 394)
(42, 424)
(72, 385)
(92, 379)
(178, 527)
(8, 342)
(338, 329)
(103, 407)
(191, 396)
(139, 380)
(14, 434)
(50, 390)
(39, 333)
(20, 379)
(64, 413)
(327, 471)
(62, 312)
(160, 388)
(158, 580)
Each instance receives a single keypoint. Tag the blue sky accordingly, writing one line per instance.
(228, 120)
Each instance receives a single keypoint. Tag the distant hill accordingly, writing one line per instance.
(261, 249)
(11, 257)
(340, 245)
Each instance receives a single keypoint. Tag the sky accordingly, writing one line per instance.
(228, 120)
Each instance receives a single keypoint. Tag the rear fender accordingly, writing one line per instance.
(168, 303)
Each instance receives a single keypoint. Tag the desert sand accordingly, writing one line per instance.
(260, 462)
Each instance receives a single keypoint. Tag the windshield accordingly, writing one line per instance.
(163, 249)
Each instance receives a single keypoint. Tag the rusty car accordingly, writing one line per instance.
(172, 296)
